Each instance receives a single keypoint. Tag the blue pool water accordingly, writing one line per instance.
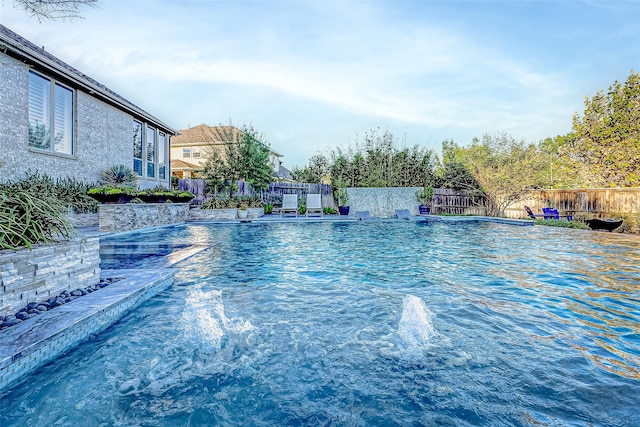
(383, 323)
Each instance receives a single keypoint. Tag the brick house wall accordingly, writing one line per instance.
(103, 122)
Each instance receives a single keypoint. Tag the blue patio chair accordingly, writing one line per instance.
(531, 214)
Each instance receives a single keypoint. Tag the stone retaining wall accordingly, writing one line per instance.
(132, 216)
(199, 214)
(45, 271)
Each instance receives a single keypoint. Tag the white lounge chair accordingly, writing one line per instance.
(289, 204)
(314, 204)
(364, 216)
(405, 214)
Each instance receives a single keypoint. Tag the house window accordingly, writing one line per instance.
(151, 152)
(186, 153)
(51, 119)
(137, 148)
(196, 153)
(162, 155)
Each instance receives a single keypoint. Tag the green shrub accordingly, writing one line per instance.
(218, 203)
(563, 223)
(28, 217)
(329, 211)
(268, 209)
(119, 176)
(69, 191)
(110, 189)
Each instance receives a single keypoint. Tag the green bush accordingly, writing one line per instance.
(110, 189)
(329, 211)
(268, 209)
(69, 191)
(28, 217)
(223, 202)
(563, 223)
(119, 176)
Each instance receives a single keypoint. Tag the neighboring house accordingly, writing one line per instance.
(192, 146)
(60, 122)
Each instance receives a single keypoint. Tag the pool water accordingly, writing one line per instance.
(358, 324)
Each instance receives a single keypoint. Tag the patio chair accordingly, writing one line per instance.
(405, 214)
(314, 204)
(549, 213)
(289, 204)
(531, 214)
(364, 216)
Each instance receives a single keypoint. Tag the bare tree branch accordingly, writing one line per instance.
(54, 9)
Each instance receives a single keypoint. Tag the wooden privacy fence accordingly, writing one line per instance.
(599, 202)
(273, 195)
(457, 202)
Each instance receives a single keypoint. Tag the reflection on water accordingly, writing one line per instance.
(379, 323)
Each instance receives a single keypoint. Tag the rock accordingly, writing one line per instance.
(33, 311)
(32, 305)
(11, 322)
(42, 307)
(34, 314)
(57, 301)
(22, 315)
(76, 293)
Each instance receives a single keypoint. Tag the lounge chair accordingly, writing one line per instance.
(405, 214)
(531, 214)
(364, 216)
(314, 204)
(550, 213)
(289, 204)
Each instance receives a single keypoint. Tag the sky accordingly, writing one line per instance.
(314, 75)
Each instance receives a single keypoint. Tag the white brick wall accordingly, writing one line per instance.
(103, 134)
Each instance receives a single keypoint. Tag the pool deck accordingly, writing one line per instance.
(338, 218)
(36, 341)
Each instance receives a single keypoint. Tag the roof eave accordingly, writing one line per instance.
(37, 58)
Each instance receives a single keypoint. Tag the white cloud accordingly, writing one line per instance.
(339, 68)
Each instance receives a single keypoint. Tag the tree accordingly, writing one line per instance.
(504, 168)
(54, 9)
(241, 155)
(452, 173)
(607, 137)
(315, 172)
(379, 162)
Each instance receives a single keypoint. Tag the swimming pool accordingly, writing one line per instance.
(379, 323)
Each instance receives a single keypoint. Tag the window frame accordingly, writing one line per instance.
(52, 125)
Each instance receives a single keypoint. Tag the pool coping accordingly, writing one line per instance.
(36, 341)
(350, 219)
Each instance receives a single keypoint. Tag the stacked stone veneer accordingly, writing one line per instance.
(132, 216)
(199, 214)
(36, 275)
(34, 342)
(383, 202)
